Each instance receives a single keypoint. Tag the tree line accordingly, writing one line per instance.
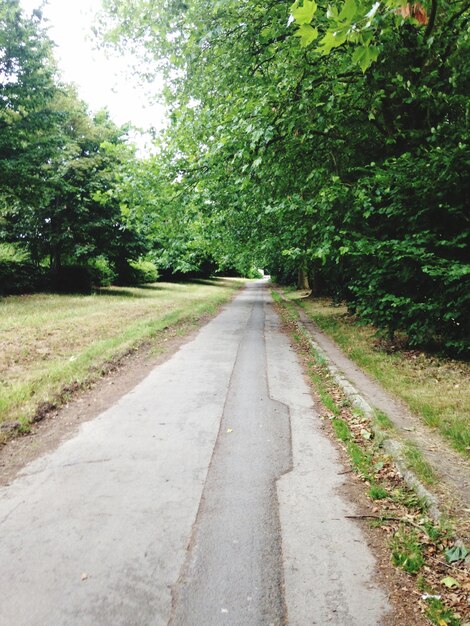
(72, 188)
(58, 224)
(327, 143)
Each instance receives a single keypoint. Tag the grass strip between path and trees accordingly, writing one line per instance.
(436, 388)
(426, 550)
(50, 343)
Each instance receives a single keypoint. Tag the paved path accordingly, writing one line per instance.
(207, 495)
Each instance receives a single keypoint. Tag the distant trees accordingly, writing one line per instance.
(59, 166)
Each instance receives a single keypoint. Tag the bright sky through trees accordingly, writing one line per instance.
(101, 80)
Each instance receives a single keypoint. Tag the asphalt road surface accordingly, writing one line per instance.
(206, 496)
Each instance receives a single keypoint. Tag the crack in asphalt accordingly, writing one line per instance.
(233, 568)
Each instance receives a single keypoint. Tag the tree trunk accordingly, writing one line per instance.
(302, 279)
(56, 260)
(313, 284)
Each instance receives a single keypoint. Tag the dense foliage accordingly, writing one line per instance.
(58, 169)
(328, 141)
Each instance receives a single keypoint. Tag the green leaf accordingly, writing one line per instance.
(364, 56)
(457, 553)
(332, 39)
(366, 37)
(348, 11)
(373, 53)
(307, 34)
(304, 14)
(450, 582)
(332, 12)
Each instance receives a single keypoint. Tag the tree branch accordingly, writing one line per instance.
(432, 19)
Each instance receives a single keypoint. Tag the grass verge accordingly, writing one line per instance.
(51, 343)
(428, 552)
(435, 388)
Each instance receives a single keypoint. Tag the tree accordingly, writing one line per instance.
(76, 219)
(27, 88)
(59, 166)
(316, 146)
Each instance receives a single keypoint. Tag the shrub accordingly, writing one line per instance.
(18, 278)
(102, 273)
(143, 272)
(72, 279)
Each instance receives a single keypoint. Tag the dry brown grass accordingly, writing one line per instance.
(48, 341)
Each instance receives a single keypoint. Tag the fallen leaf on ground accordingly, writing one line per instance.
(456, 553)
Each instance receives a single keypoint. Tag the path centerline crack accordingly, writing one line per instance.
(234, 565)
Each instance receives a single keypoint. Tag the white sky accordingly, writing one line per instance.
(101, 81)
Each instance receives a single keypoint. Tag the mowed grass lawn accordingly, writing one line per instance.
(436, 389)
(49, 341)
